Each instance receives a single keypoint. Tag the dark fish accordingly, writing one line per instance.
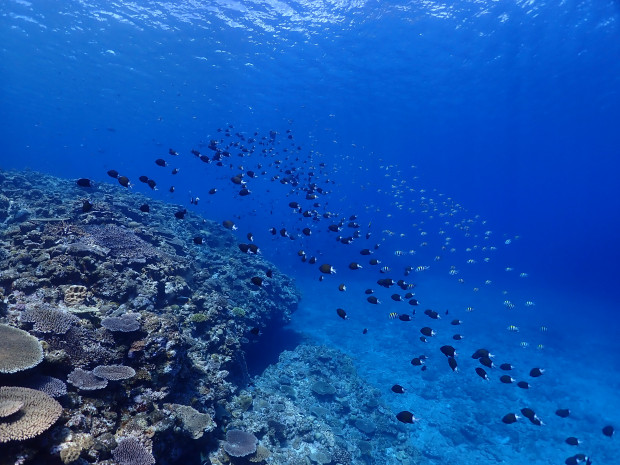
(180, 214)
(385, 282)
(374, 261)
(416, 362)
(523, 384)
(456, 322)
(229, 225)
(423, 339)
(84, 182)
(368, 291)
(481, 353)
(86, 206)
(151, 183)
(365, 252)
(404, 317)
(269, 273)
(198, 240)
(483, 374)
(171, 189)
(236, 180)
(432, 314)
(255, 331)
(608, 431)
(448, 351)
(409, 295)
(113, 174)
(253, 248)
(396, 298)
(510, 418)
(572, 441)
(528, 413)
(365, 331)
(161, 162)
(372, 299)
(413, 302)
(506, 366)
(327, 269)
(341, 313)
(312, 260)
(123, 181)
(452, 363)
(142, 178)
(562, 412)
(536, 372)
(212, 191)
(342, 287)
(283, 232)
(354, 266)
(426, 331)
(250, 237)
(257, 281)
(144, 208)
(172, 152)
(405, 417)
(457, 337)
(486, 361)
(398, 389)
(244, 247)
(506, 379)
(175, 170)
(306, 231)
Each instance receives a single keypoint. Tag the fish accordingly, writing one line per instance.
(426, 331)
(144, 208)
(608, 431)
(255, 331)
(142, 178)
(486, 361)
(212, 191)
(175, 170)
(161, 162)
(86, 206)
(417, 361)
(198, 240)
(173, 152)
(354, 266)
(396, 298)
(523, 384)
(432, 314)
(229, 225)
(481, 353)
(180, 214)
(483, 374)
(113, 174)
(506, 379)
(456, 322)
(562, 412)
(151, 183)
(327, 269)
(123, 181)
(84, 182)
(413, 302)
(536, 372)
(448, 351)
(398, 389)
(513, 328)
(171, 190)
(406, 417)
(385, 269)
(342, 314)
(257, 280)
(572, 441)
(393, 315)
(452, 364)
(404, 317)
(373, 300)
(342, 287)
(510, 418)
(458, 337)
(506, 366)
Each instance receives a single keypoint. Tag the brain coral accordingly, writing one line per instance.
(75, 295)
(18, 350)
(125, 324)
(86, 380)
(49, 320)
(114, 372)
(37, 413)
(240, 443)
(130, 451)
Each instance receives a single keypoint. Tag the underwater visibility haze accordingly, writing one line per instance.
(309, 232)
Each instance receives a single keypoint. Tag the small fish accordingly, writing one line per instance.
(529, 303)
(406, 417)
(452, 364)
(562, 412)
(161, 162)
(171, 190)
(385, 269)
(179, 215)
(354, 266)
(198, 240)
(524, 345)
(342, 314)
(608, 431)
(426, 331)
(413, 302)
(255, 331)
(373, 300)
(417, 361)
(506, 366)
(523, 384)
(142, 178)
(173, 152)
(469, 309)
(404, 317)
(422, 268)
(257, 280)
(123, 181)
(398, 389)
(342, 287)
(483, 374)
(113, 174)
(481, 353)
(536, 372)
(175, 170)
(432, 314)
(396, 298)
(84, 182)
(486, 361)
(229, 225)
(144, 208)
(513, 328)
(572, 441)
(510, 418)
(506, 379)
(212, 191)
(365, 331)
(151, 183)
(458, 337)
(543, 329)
(456, 322)
(327, 269)
(393, 315)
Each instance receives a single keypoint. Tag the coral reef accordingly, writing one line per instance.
(136, 331)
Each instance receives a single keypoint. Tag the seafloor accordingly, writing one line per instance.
(132, 343)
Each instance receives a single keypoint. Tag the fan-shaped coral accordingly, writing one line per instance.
(37, 413)
(18, 350)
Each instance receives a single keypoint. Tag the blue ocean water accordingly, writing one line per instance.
(491, 123)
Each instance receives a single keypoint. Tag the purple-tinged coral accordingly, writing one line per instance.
(114, 372)
(37, 413)
(48, 320)
(18, 350)
(124, 324)
(53, 387)
(130, 451)
(240, 443)
(86, 380)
